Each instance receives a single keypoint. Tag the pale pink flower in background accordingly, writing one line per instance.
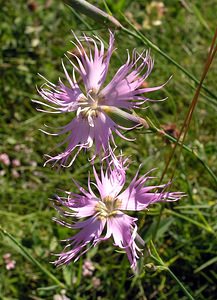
(18, 147)
(4, 158)
(87, 268)
(6, 256)
(96, 282)
(33, 163)
(106, 211)
(9, 263)
(57, 297)
(16, 163)
(94, 105)
(61, 296)
(15, 174)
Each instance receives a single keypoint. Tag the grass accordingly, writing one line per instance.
(35, 36)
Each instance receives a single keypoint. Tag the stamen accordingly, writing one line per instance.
(108, 207)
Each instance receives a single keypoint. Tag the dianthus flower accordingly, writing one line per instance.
(93, 104)
(105, 212)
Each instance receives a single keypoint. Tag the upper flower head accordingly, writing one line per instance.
(93, 105)
(105, 209)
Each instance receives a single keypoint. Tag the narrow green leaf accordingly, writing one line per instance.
(48, 288)
(154, 253)
(200, 17)
(163, 227)
(190, 220)
(206, 264)
(26, 254)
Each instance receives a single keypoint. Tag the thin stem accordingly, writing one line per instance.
(148, 43)
(163, 266)
(179, 283)
(171, 138)
(155, 129)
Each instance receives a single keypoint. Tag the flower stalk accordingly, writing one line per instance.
(163, 266)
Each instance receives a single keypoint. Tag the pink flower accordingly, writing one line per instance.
(16, 163)
(96, 282)
(6, 256)
(4, 158)
(87, 268)
(15, 174)
(9, 263)
(105, 210)
(61, 296)
(94, 105)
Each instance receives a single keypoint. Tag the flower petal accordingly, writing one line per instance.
(138, 197)
(123, 90)
(65, 99)
(90, 231)
(112, 181)
(123, 229)
(93, 68)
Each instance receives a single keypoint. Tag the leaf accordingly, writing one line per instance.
(163, 227)
(206, 264)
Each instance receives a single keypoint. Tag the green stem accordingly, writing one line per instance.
(25, 253)
(171, 138)
(162, 266)
(179, 283)
(189, 150)
(148, 43)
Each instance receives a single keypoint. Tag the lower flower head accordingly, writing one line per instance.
(106, 210)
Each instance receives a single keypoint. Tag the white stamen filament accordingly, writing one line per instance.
(108, 207)
(89, 107)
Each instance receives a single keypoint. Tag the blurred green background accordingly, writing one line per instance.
(34, 37)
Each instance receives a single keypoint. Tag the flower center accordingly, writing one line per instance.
(108, 207)
(89, 107)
